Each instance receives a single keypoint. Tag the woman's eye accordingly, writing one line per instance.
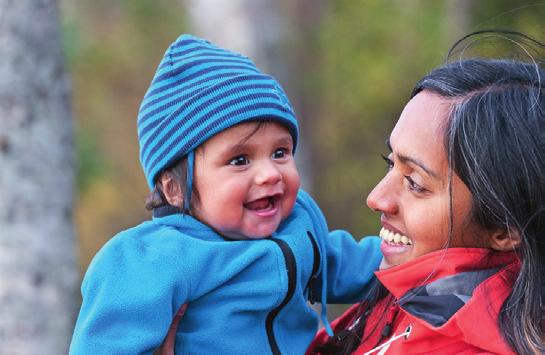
(389, 162)
(240, 160)
(280, 153)
(413, 186)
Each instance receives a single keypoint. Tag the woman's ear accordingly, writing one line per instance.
(505, 240)
(172, 190)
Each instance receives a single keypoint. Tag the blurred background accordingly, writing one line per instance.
(73, 73)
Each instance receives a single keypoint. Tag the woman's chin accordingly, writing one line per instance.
(394, 254)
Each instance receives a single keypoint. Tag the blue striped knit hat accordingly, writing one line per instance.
(199, 90)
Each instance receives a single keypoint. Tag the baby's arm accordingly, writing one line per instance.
(130, 295)
(349, 264)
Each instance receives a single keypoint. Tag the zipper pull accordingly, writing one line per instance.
(387, 330)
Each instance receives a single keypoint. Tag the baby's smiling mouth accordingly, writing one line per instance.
(264, 203)
(394, 238)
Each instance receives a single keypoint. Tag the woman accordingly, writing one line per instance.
(463, 214)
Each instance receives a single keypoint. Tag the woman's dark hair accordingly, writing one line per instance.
(495, 141)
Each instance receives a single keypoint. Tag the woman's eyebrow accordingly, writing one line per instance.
(407, 159)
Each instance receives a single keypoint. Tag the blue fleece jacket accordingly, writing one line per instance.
(244, 296)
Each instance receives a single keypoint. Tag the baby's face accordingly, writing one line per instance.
(246, 179)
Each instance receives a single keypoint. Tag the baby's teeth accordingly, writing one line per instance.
(397, 238)
(405, 240)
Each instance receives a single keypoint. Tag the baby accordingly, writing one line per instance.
(233, 241)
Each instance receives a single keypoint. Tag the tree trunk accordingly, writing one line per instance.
(37, 254)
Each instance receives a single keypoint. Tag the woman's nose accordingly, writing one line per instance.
(268, 173)
(383, 198)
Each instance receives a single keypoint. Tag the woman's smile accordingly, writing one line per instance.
(392, 238)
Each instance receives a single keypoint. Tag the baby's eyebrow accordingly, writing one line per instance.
(237, 148)
(287, 140)
(244, 145)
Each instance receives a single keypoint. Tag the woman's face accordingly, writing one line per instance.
(413, 197)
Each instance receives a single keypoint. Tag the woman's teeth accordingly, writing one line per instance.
(394, 238)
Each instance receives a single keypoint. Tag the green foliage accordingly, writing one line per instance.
(523, 16)
(373, 52)
(360, 65)
(112, 48)
(91, 163)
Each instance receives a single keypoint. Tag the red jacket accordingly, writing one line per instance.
(455, 313)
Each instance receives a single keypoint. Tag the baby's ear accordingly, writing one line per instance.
(172, 190)
(505, 240)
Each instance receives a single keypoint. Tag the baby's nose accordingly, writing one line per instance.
(268, 173)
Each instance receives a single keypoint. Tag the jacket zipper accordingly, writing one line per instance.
(315, 266)
(291, 267)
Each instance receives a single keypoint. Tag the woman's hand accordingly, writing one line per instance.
(167, 348)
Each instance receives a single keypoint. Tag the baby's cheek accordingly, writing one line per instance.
(287, 206)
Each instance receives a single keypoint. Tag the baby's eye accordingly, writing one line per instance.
(389, 162)
(280, 153)
(240, 160)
